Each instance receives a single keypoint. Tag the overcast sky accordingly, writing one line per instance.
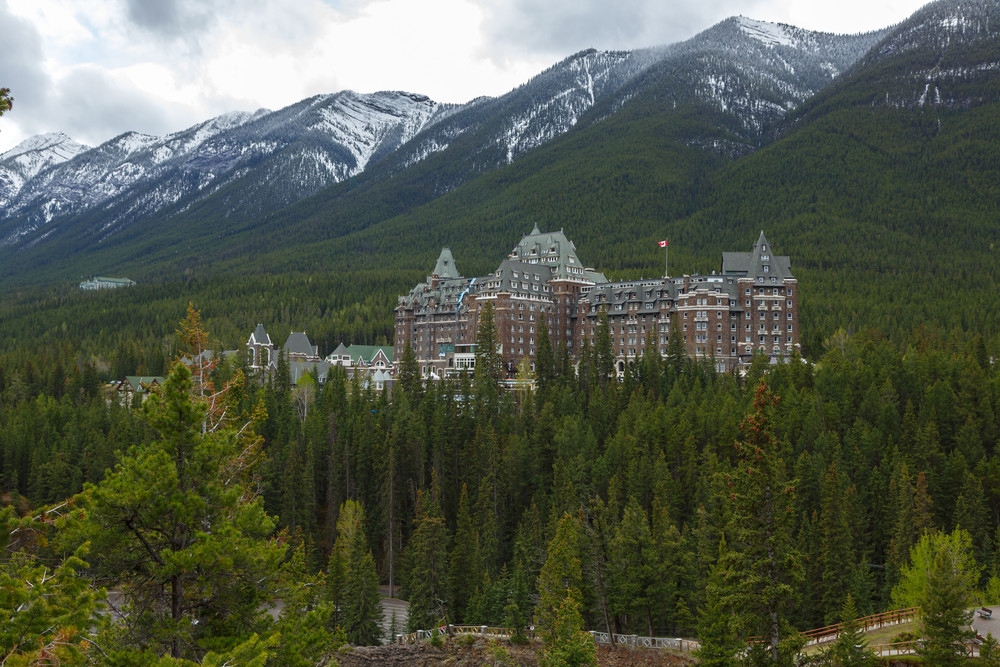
(96, 68)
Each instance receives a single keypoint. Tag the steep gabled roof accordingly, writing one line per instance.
(259, 336)
(553, 249)
(761, 262)
(446, 267)
(142, 382)
(298, 343)
(365, 353)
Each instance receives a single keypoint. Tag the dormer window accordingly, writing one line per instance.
(765, 257)
(767, 268)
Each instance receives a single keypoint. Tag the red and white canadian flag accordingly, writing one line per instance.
(663, 244)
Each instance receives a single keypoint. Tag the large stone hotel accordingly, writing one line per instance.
(749, 306)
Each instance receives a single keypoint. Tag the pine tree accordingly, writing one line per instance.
(49, 609)
(178, 528)
(568, 645)
(561, 577)
(719, 641)
(762, 565)
(545, 360)
(362, 602)
(427, 565)
(945, 615)
(409, 373)
(850, 648)
(465, 570)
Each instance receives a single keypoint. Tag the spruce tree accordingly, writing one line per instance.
(561, 577)
(763, 567)
(545, 360)
(717, 636)
(850, 648)
(605, 358)
(465, 570)
(489, 370)
(352, 581)
(427, 565)
(362, 612)
(941, 579)
(568, 645)
(409, 373)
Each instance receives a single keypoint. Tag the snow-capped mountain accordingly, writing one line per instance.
(22, 163)
(243, 166)
(303, 147)
(944, 56)
(748, 74)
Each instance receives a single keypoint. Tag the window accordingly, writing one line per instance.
(767, 268)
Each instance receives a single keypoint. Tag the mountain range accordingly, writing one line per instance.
(870, 159)
(52, 188)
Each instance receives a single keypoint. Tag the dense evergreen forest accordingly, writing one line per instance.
(461, 493)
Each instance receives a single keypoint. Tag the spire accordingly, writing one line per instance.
(534, 230)
(445, 267)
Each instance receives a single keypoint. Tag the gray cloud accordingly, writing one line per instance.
(155, 15)
(171, 19)
(90, 106)
(566, 26)
(20, 69)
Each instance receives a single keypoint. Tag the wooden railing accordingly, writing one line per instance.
(830, 632)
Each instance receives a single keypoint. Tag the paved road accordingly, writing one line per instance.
(392, 605)
(991, 626)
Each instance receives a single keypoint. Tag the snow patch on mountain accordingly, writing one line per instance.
(769, 34)
(32, 156)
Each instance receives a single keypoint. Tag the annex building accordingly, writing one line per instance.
(750, 305)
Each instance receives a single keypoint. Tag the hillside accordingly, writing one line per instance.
(883, 207)
(234, 184)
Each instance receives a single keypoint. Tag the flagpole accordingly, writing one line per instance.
(666, 260)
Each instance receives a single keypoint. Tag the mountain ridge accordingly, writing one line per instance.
(271, 160)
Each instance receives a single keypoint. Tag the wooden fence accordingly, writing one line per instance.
(887, 618)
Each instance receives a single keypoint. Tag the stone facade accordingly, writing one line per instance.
(751, 305)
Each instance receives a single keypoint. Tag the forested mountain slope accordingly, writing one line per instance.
(154, 199)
